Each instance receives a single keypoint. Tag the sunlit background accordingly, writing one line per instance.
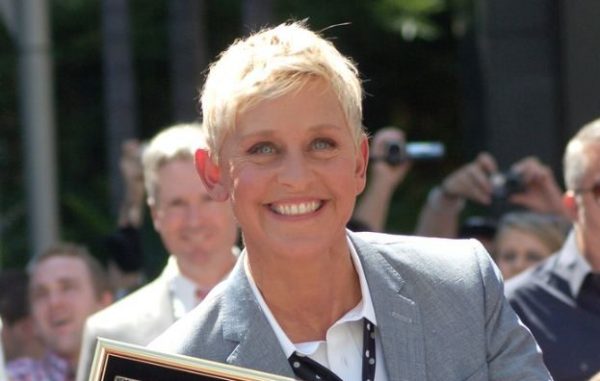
(77, 77)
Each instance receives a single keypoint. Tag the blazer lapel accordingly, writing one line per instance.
(245, 324)
(260, 349)
(397, 315)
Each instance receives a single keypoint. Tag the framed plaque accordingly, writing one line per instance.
(117, 361)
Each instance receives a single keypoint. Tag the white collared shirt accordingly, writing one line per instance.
(183, 291)
(184, 297)
(341, 351)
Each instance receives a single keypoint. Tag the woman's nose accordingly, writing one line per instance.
(295, 171)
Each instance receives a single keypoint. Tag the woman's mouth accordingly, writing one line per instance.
(296, 209)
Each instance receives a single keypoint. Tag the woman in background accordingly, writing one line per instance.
(526, 238)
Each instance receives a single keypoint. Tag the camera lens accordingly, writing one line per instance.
(394, 153)
(506, 184)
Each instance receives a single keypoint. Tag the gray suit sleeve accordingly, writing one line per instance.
(512, 352)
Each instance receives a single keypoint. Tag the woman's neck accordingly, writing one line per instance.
(307, 296)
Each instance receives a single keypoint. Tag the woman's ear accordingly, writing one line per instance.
(210, 174)
(362, 162)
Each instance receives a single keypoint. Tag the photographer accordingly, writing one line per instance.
(528, 183)
(372, 208)
(391, 158)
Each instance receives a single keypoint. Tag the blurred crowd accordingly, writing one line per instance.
(546, 244)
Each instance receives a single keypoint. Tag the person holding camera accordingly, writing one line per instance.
(390, 160)
(372, 208)
(529, 183)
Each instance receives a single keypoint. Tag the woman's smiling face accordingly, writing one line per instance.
(292, 170)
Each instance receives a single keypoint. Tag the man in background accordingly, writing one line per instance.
(198, 232)
(66, 285)
(559, 300)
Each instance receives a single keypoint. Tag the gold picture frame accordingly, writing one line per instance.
(117, 361)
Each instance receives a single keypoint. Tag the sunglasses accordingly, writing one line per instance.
(594, 190)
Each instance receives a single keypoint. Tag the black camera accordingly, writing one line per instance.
(505, 184)
(397, 153)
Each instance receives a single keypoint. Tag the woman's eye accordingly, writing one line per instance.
(262, 149)
(322, 144)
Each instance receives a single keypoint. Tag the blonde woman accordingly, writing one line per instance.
(309, 298)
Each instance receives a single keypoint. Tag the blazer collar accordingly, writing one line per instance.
(397, 314)
(245, 324)
(397, 317)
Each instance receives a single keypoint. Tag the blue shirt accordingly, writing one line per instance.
(559, 301)
(50, 367)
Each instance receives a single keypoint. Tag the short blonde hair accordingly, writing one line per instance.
(178, 142)
(575, 160)
(269, 64)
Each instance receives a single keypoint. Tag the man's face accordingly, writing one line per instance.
(586, 212)
(62, 297)
(196, 229)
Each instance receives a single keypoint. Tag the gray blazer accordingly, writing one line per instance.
(439, 305)
(136, 319)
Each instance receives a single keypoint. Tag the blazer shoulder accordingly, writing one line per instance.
(460, 269)
(424, 254)
(405, 243)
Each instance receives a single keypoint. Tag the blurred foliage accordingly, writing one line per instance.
(406, 51)
(13, 240)
(412, 19)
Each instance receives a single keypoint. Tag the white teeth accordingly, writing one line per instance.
(297, 209)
